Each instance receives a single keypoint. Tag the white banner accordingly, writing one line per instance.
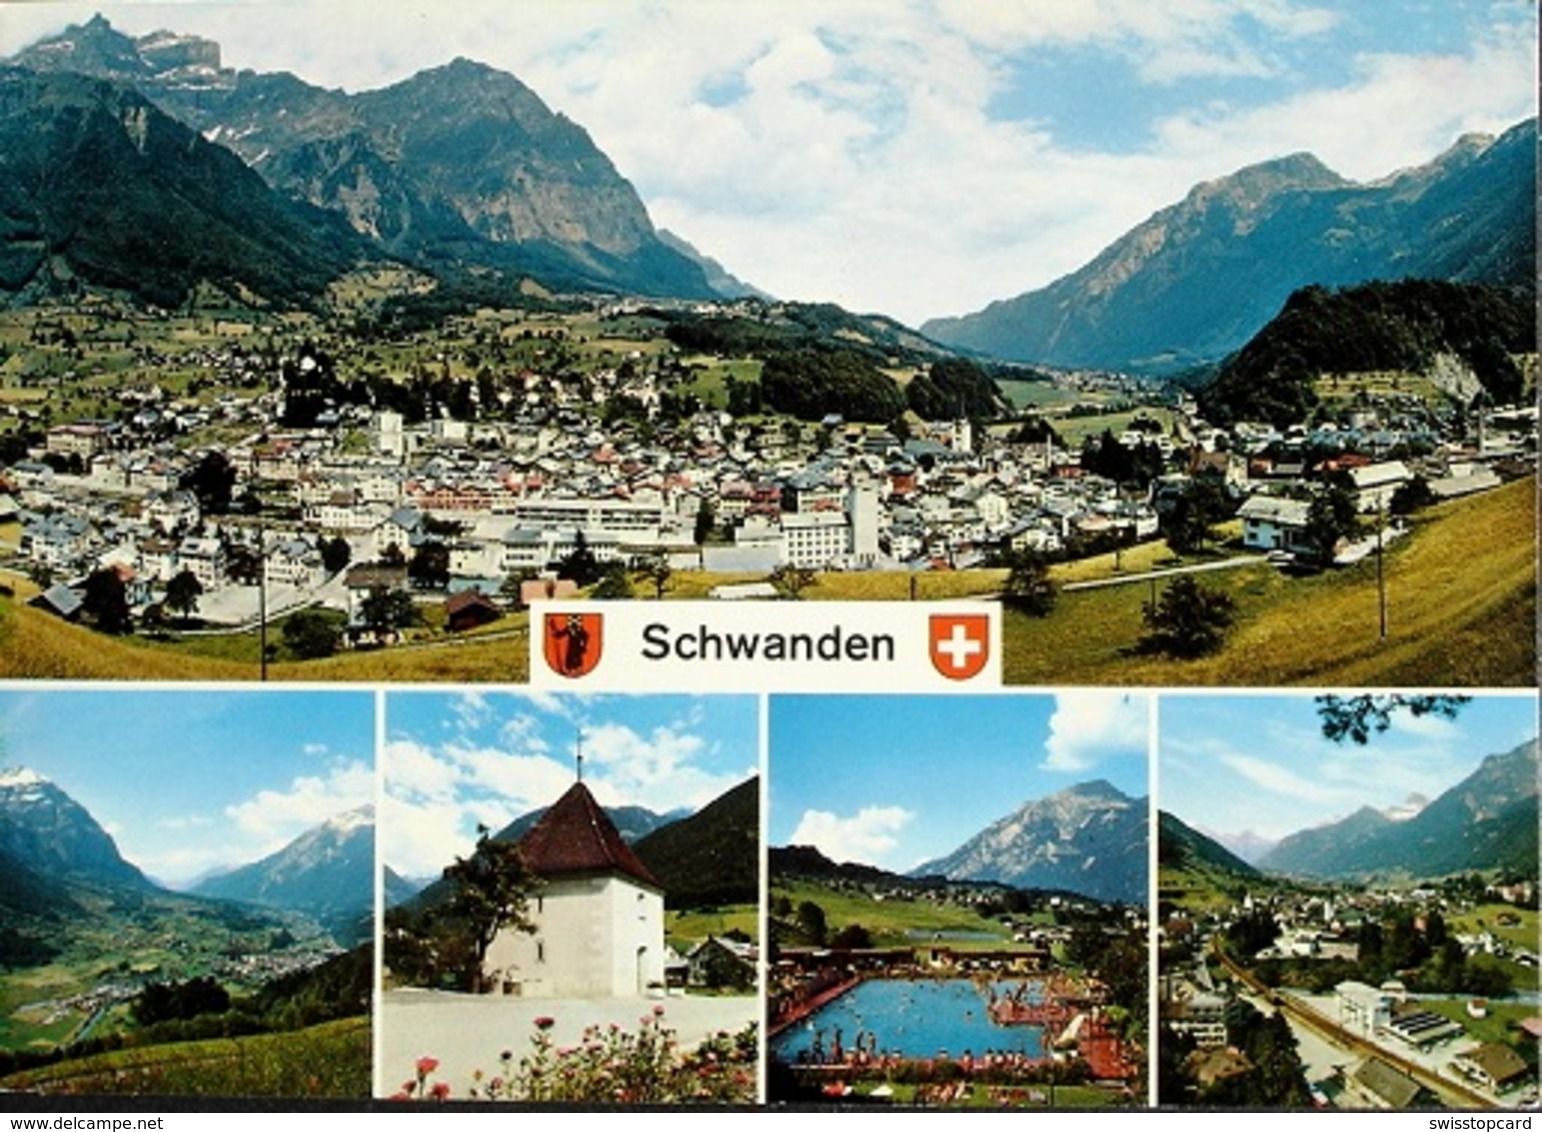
(789, 646)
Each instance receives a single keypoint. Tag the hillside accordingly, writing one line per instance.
(1180, 846)
(1455, 618)
(460, 167)
(328, 1060)
(712, 856)
(101, 189)
(1486, 821)
(327, 872)
(1411, 326)
(1197, 279)
(1090, 839)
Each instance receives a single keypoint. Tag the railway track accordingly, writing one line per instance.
(1450, 1092)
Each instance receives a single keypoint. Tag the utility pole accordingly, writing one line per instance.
(1381, 574)
(262, 601)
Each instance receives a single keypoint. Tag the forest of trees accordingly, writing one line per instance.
(1374, 326)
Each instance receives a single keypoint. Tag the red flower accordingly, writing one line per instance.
(658, 1012)
(545, 1023)
(427, 1065)
(440, 1092)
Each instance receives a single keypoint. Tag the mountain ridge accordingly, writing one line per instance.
(1487, 820)
(1197, 278)
(457, 166)
(1090, 839)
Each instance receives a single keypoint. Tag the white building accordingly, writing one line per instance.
(1270, 523)
(814, 539)
(598, 914)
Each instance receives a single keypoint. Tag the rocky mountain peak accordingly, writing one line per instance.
(1089, 838)
(47, 831)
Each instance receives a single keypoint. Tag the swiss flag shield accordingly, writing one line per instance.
(960, 644)
(572, 642)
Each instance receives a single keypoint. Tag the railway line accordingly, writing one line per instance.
(1451, 1093)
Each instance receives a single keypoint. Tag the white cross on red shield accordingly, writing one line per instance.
(960, 644)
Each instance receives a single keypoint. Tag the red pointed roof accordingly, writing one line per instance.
(576, 836)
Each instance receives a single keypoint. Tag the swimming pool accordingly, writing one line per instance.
(923, 1018)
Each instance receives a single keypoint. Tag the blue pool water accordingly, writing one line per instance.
(911, 1019)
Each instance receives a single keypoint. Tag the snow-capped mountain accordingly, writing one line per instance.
(328, 872)
(47, 831)
(1091, 838)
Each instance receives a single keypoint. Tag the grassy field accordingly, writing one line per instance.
(1499, 1026)
(692, 927)
(1074, 430)
(1461, 601)
(1461, 604)
(894, 922)
(330, 1060)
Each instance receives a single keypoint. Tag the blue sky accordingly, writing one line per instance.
(187, 780)
(896, 780)
(1232, 764)
(454, 759)
(921, 157)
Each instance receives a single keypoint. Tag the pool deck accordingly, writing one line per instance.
(809, 1005)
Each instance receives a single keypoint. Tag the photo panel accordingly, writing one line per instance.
(1347, 900)
(187, 906)
(572, 910)
(958, 894)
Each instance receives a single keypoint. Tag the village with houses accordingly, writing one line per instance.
(201, 503)
(1353, 1044)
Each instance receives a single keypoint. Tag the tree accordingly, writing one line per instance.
(1415, 495)
(513, 588)
(614, 585)
(211, 480)
(183, 592)
(1331, 517)
(1191, 522)
(1028, 588)
(853, 937)
(1356, 717)
(656, 569)
(490, 892)
(1188, 620)
(811, 923)
(310, 634)
(335, 554)
(792, 580)
(105, 602)
(430, 565)
(705, 520)
(579, 565)
(385, 610)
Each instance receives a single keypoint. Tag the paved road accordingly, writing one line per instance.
(1176, 571)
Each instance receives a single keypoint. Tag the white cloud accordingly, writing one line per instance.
(412, 771)
(1278, 780)
(1088, 727)
(850, 150)
(420, 840)
(868, 836)
(272, 818)
(471, 710)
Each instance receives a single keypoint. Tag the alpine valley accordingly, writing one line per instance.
(95, 957)
(302, 383)
(1428, 909)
